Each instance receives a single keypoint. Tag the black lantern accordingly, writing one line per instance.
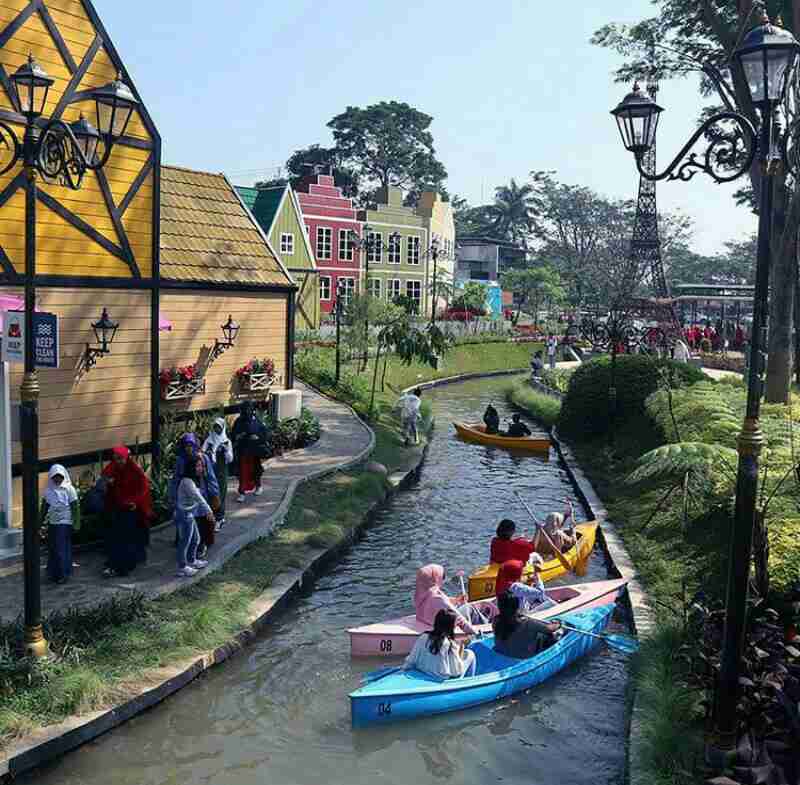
(230, 330)
(767, 56)
(637, 119)
(104, 332)
(32, 84)
(87, 137)
(115, 105)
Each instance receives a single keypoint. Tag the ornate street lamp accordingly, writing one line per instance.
(230, 331)
(62, 153)
(104, 332)
(338, 309)
(767, 58)
(436, 253)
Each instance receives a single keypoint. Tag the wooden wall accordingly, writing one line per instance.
(197, 317)
(63, 248)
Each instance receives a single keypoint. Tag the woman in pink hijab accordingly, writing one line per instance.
(429, 598)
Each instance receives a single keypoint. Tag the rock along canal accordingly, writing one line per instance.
(278, 713)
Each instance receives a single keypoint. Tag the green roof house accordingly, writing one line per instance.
(278, 212)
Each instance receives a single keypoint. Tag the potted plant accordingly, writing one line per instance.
(256, 375)
(181, 382)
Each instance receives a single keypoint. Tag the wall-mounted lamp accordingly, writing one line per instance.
(104, 332)
(230, 331)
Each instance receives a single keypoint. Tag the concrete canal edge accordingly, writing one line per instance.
(54, 741)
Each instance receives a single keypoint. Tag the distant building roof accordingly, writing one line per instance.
(263, 202)
(482, 239)
(209, 236)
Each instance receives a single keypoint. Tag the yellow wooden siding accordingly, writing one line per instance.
(108, 404)
(307, 303)
(62, 249)
(197, 317)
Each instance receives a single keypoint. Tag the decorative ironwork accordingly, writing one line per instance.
(730, 152)
(619, 334)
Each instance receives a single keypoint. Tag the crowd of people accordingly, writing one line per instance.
(726, 335)
(197, 492)
(440, 653)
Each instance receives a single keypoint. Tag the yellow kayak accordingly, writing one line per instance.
(482, 582)
(478, 435)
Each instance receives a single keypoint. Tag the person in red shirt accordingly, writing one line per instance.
(505, 549)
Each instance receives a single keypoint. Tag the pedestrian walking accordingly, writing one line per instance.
(410, 405)
(249, 436)
(188, 506)
(552, 345)
(61, 511)
(219, 449)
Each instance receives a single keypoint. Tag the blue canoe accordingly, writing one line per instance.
(406, 695)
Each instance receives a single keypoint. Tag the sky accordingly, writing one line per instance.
(513, 86)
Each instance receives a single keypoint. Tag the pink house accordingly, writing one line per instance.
(329, 219)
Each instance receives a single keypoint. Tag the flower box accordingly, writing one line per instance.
(182, 388)
(256, 382)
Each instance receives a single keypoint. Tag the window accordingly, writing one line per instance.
(324, 242)
(374, 287)
(375, 247)
(287, 243)
(395, 244)
(324, 287)
(347, 286)
(413, 250)
(393, 288)
(345, 246)
(414, 291)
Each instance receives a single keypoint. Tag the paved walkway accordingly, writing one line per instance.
(345, 439)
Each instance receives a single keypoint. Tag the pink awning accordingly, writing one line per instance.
(164, 324)
(8, 302)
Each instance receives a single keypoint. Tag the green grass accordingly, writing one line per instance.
(543, 408)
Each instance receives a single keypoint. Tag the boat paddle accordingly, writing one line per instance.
(368, 678)
(622, 643)
(564, 562)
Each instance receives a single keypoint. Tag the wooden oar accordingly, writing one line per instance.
(563, 559)
(622, 643)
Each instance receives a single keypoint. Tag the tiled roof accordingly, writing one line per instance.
(208, 236)
(263, 203)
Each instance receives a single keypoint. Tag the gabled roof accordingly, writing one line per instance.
(209, 236)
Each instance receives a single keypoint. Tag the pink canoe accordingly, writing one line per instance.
(396, 637)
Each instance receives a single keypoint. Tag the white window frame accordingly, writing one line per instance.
(287, 243)
(324, 279)
(375, 248)
(322, 233)
(395, 249)
(374, 287)
(346, 247)
(418, 286)
(394, 288)
(350, 288)
(413, 252)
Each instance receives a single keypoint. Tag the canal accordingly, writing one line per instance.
(278, 713)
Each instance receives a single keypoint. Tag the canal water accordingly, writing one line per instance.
(279, 714)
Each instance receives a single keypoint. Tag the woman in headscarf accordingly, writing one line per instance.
(219, 449)
(130, 506)
(555, 525)
(61, 510)
(189, 452)
(249, 437)
(509, 579)
(429, 598)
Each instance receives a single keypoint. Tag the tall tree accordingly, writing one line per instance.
(698, 38)
(533, 285)
(388, 143)
(513, 212)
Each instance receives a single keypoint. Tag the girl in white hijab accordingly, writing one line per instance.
(61, 510)
(220, 449)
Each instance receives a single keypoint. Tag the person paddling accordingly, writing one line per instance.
(504, 548)
(509, 579)
(520, 637)
(517, 429)
(492, 420)
(429, 598)
(437, 653)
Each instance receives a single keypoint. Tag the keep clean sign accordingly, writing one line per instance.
(45, 327)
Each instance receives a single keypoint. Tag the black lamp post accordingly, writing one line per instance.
(62, 153)
(338, 308)
(104, 332)
(435, 252)
(766, 59)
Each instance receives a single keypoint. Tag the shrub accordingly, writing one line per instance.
(585, 410)
(543, 408)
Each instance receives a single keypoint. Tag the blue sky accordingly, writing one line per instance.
(513, 86)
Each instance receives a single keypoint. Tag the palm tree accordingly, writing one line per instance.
(512, 212)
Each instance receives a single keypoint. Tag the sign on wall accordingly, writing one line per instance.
(45, 341)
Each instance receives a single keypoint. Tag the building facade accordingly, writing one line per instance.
(401, 266)
(484, 259)
(329, 218)
(438, 219)
(278, 212)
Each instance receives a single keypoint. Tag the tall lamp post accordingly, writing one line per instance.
(62, 153)
(369, 243)
(338, 308)
(436, 253)
(766, 60)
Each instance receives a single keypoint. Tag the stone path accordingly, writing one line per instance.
(345, 440)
